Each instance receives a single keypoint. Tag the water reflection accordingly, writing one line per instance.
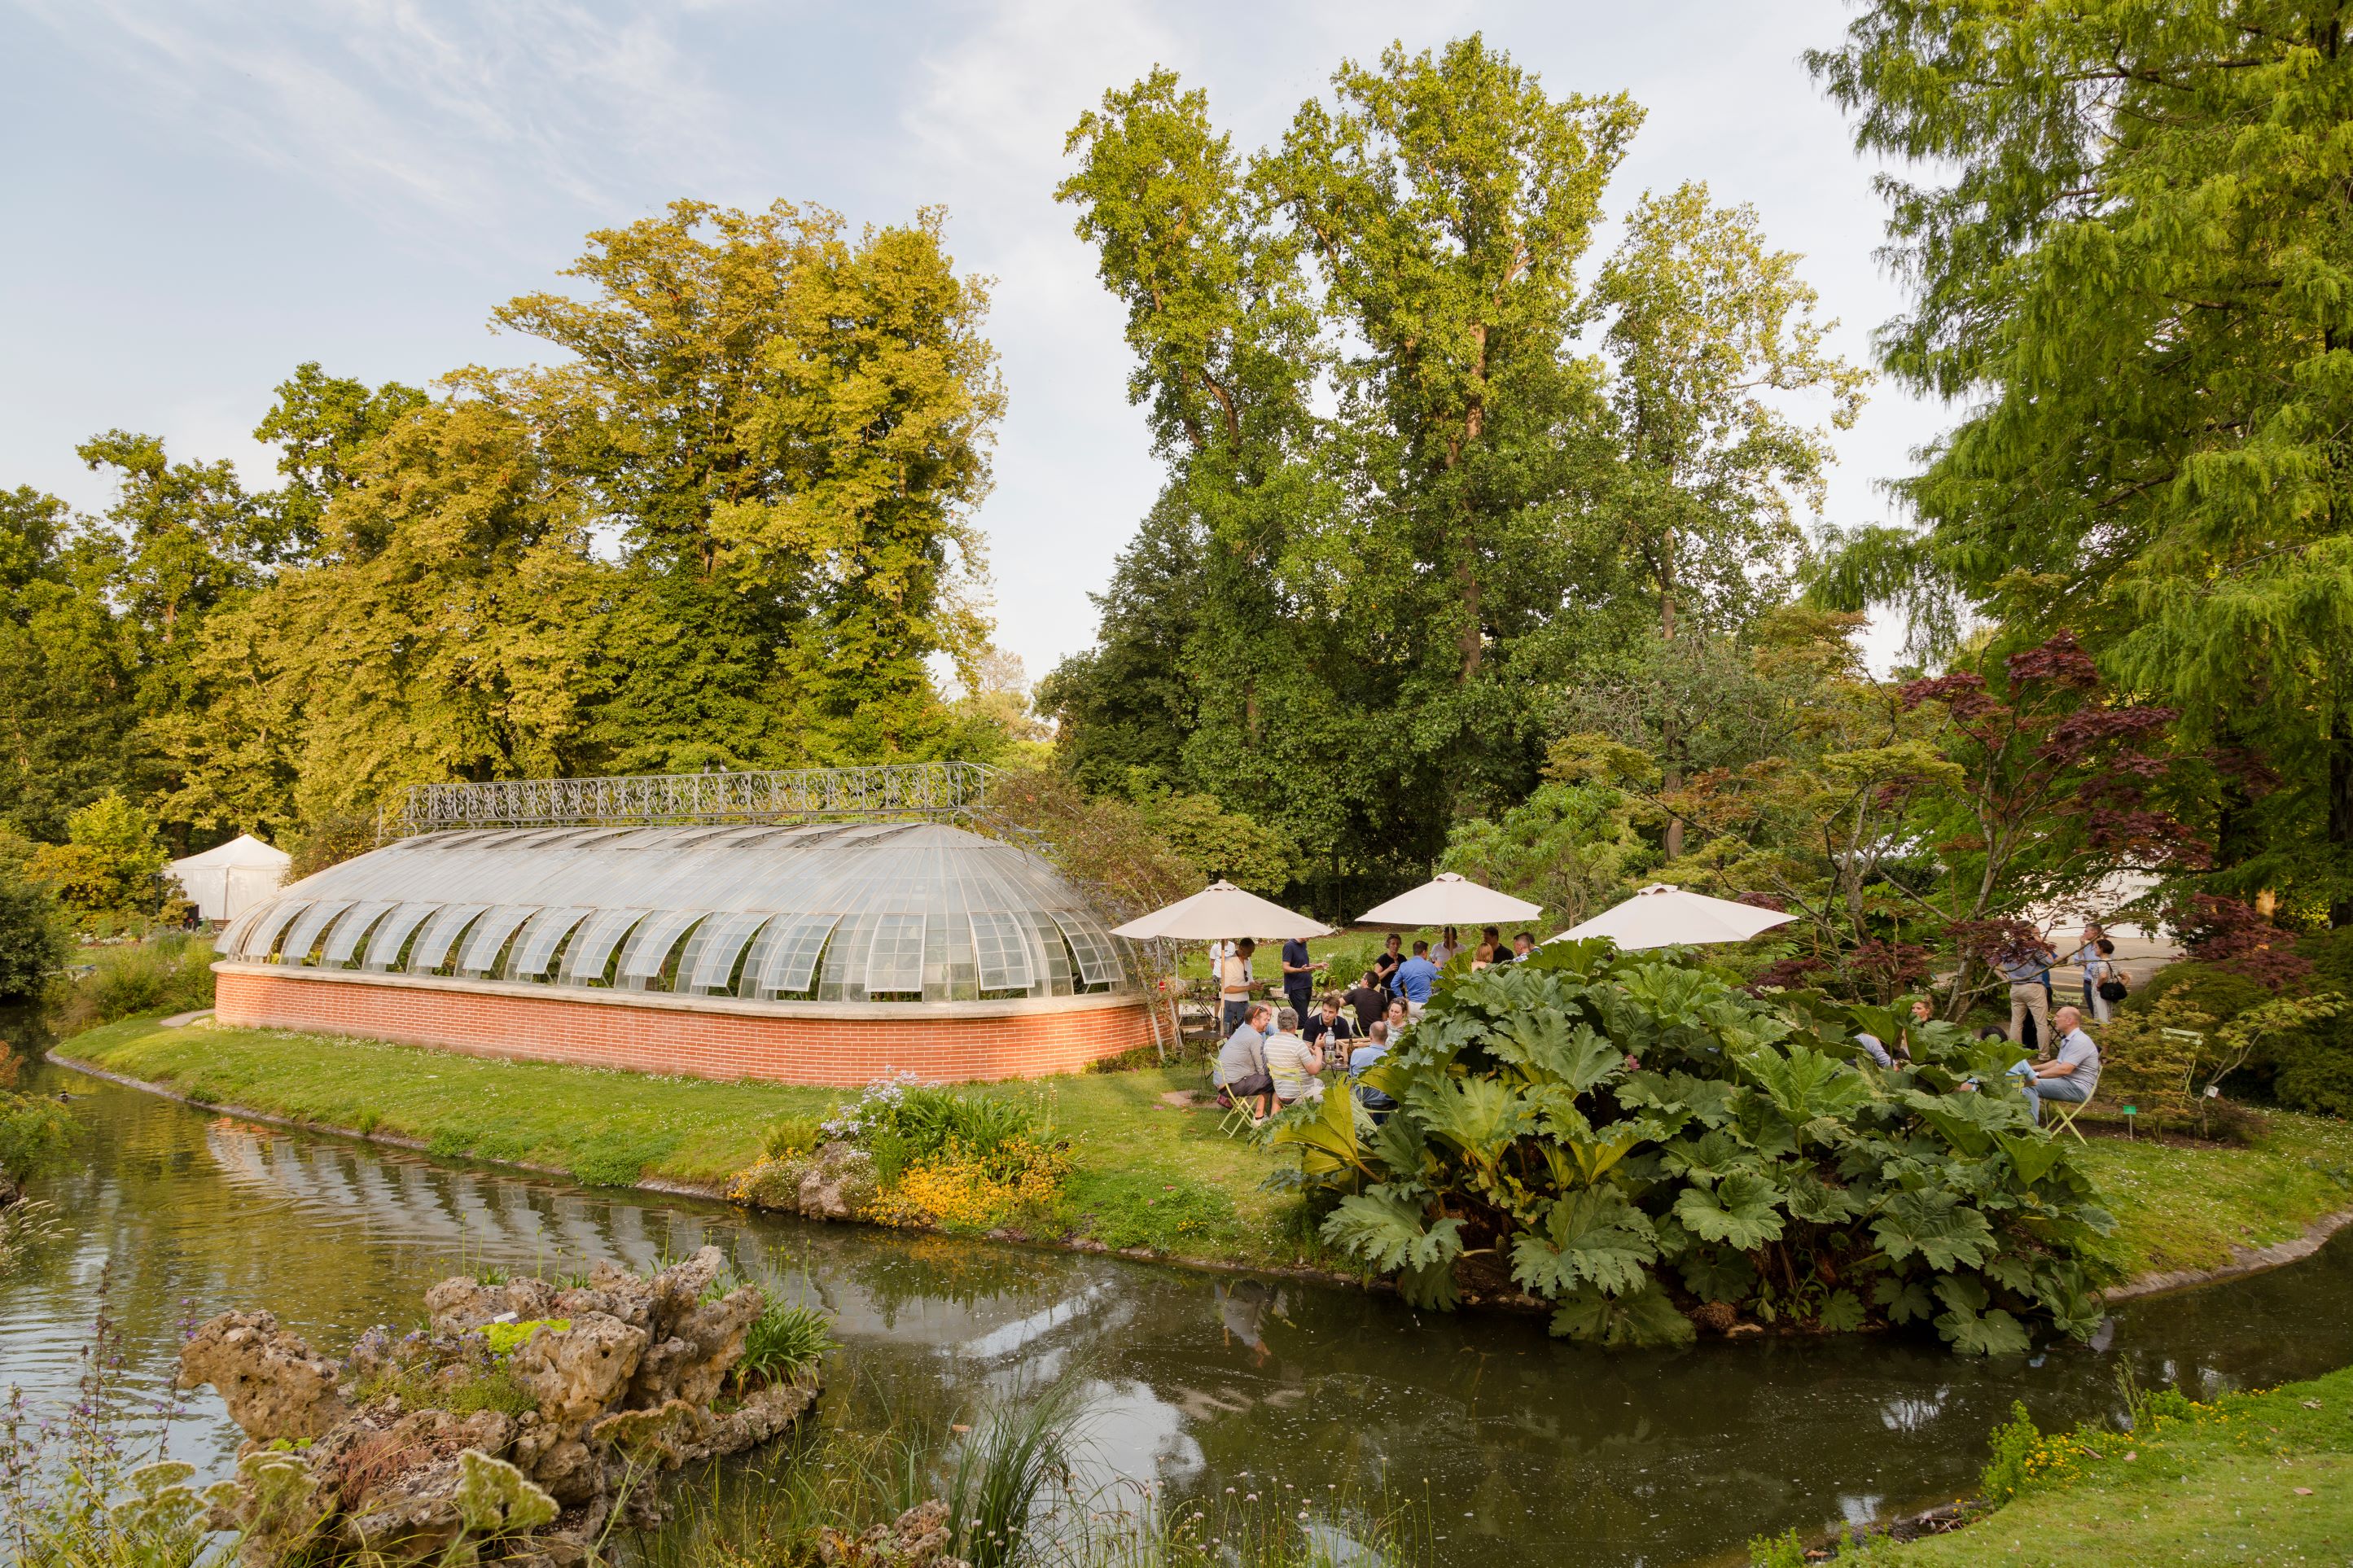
(1194, 1382)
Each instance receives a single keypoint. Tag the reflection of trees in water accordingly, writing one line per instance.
(897, 1269)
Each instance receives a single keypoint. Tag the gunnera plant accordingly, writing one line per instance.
(1638, 1140)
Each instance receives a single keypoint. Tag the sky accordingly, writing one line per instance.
(203, 194)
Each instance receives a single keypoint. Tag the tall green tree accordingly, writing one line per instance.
(322, 426)
(1711, 334)
(1355, 349)
(68, 669)
(789, 425)
(2128, 243)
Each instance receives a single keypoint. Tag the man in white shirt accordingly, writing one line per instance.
(2072, 1072)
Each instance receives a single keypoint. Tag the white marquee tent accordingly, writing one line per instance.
(230, 878)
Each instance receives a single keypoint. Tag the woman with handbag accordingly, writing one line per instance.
(2099, 972)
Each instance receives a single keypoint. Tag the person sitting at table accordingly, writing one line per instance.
(1385, 967)
(1401, 1015)
(1416, 978)
(1874, 1050)
(1291, 1062)
(1330, 1019)
(1375, 1047)
(1370, 1002)
(1523, 947)
(2074, 1070)
(1241, 1072)
(1483, 955)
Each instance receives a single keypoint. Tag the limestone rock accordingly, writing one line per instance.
(918, 1539)
(765, 1412)
(458, 1304)
(274, 1386)
(839, 1184)
(577, 1373)
(705, 1340)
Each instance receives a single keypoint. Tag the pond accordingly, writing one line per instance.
(1510, 1439)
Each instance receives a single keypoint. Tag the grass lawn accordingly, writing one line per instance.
(1146, 1175)
(2262, 1477)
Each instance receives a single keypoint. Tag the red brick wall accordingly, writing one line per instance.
(845, 1051)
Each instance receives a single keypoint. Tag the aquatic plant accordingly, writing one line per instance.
(87, 1486)
(1638, 1140)
(783, 1342)
(1015, 1452)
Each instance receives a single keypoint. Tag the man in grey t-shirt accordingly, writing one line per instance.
(2072, 1074)
(1242, 1063)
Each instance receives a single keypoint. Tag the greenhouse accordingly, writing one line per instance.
(913, 945)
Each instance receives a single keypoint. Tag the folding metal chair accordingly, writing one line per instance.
(2064, 1111)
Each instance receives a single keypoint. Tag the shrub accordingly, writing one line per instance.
(171, 972)
(783, 1342)
(961, 1189)
(33, 941)
(901, 1121)
(2220, 994)
(35, 1137)
(1635, 1139)
(788, 1136)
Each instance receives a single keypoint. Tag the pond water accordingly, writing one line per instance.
(1512, 1441)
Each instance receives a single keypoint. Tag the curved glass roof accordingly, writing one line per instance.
(832, 912)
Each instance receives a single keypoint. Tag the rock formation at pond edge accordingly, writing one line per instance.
(437, 1447)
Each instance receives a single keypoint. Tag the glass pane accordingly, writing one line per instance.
(721, 942)
(1098, 963)
(790, 963)
(384, 946)
(230, 942)
(895, 962)
(1001, 952)
(481, 950)
(585, 960)
(537, 945)
(264, 934)
(433, 946)
(303, 934)
(649, 951)
(345, 939)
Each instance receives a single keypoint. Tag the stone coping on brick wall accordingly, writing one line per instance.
(860, 1012)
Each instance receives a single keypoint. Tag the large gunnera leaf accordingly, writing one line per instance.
(1591, 1237)
(1479, 1116)
(1548, 1046)
(1805, 1084)
(1935, 1226)
(1738, 1210)
(1391, 1234)
(1637, 1320)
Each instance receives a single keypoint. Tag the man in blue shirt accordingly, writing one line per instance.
(1299, 976)
(1415, 979)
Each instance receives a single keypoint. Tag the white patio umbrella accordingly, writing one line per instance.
(1660, 916)
(1449, 899)
(1218, 912)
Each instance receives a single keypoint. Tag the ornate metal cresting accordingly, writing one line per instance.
(887, 792)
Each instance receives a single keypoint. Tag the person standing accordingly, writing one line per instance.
(2074, 1070)
(1416, 978)
(2095, 967)
(2027, 967)
(1298, 976)
(1234, 984)
(1450, 942)
(1385, 967)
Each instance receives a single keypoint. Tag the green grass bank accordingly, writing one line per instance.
(1144, 1173)
(2251, 1478)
